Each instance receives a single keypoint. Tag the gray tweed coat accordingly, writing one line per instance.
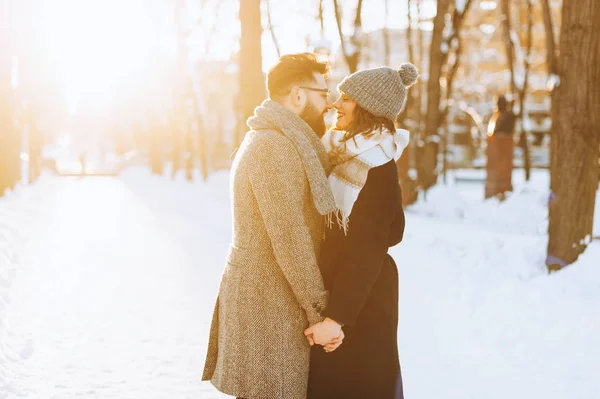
(271, 288)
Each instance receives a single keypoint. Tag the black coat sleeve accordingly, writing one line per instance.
(397, 228)
(365, 247)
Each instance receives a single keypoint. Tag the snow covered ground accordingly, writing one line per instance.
(107, 287)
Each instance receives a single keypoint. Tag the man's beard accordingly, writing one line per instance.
(314, 118)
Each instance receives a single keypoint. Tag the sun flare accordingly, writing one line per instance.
(99, 49)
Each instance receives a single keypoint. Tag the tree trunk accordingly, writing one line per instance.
(508, 44)
(409, 105)
(576, 123)
(252, 82)
(386, 34)
(352, 55)
(9, 138)
(516, 89)
(419, 85)
(321, 18)
(428, 162)
(523, 93)
(551, 58)
(275, 41)
(552, 62)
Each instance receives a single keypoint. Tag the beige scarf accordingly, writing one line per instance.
(352, 159)
(271, 115)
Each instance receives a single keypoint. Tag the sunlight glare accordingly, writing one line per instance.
(97, 46)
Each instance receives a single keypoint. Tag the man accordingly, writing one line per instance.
(271, 288)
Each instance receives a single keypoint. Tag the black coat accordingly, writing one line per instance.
(362, 280)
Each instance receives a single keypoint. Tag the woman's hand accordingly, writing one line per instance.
(324, 332)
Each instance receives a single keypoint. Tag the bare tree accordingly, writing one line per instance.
(419, 86)
(408, 108)
(275, 42)
(321, 18)
(409, 36)
(189, 120)
(552, 62)
(9, 138)
(575, 127)
(212, 32)
(352, 48)
(386, 34)
(550, 42)
(519, 70)
(252, 87)
(445, 40)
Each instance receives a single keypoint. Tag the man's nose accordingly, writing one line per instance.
(329, 103)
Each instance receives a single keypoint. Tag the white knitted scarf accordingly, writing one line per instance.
(352, 159)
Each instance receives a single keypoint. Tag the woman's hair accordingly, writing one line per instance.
(365, 122)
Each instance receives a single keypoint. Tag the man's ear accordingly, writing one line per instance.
(296, 96)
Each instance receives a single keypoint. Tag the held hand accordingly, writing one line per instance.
(335, 343)
(324, 332)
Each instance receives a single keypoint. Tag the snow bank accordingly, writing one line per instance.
(523, 212)
(18, 210)
(479, 315)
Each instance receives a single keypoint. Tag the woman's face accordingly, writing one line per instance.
(345, 112)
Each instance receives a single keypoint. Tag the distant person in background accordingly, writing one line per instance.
(500, 148)
(360, 275)
(271, 289)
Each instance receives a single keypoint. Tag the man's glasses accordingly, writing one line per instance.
(315, 89)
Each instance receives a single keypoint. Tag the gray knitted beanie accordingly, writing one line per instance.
(381, 91)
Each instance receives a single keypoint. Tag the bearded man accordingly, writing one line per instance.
(271, 289)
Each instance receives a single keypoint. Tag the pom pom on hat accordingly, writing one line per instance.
(408, 74)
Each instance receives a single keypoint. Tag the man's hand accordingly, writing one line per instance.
(324, 332)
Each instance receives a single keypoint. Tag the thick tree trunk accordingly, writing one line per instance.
(252, 82)
(428, 161)
(576, 111)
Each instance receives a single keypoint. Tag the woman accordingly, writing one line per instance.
(360, 276)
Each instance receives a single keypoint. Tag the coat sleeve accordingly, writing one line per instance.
(364, 251)
(397, 227)
(278, 181)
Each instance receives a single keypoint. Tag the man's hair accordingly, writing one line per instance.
(291, 70)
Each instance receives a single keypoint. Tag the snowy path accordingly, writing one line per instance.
(112, 301)
(112, 284)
